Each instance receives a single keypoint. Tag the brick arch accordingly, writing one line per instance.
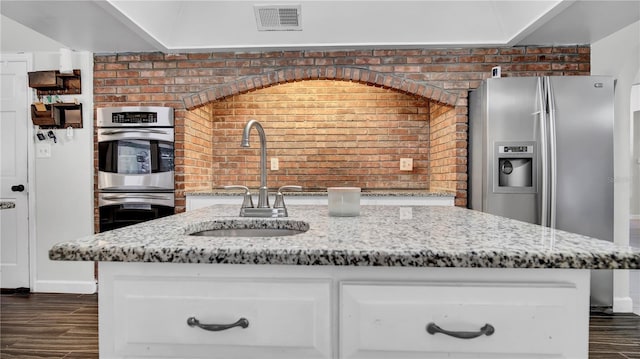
(364, 76)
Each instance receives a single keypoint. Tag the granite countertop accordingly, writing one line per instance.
(323, 192)
(7, 205)
(421, 236)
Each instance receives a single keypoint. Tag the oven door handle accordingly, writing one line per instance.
(134, 130)
(138, 196)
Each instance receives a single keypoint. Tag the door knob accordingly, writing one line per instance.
(17, 188)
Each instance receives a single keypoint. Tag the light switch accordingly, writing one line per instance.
(275, 164)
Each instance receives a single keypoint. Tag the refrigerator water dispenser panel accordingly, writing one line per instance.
(515, 172)
(516, 167)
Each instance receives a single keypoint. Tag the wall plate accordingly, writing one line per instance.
(43, 150)
(406, 164)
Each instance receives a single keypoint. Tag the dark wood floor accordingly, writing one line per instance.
(66, 326)
(48, 326)
(614, 336)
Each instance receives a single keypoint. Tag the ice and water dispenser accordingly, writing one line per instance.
(514, 167)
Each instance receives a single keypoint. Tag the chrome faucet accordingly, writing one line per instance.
(262, 210)
(263, 195)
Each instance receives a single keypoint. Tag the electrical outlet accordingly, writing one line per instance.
(275, 164)
(43, 150)
(406, 164)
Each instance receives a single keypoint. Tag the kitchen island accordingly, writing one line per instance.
(397, 281)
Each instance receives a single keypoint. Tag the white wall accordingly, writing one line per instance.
(618, 55)
(63, 198)
(635, 166)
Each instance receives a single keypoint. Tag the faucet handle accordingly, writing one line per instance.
(279, 202)
(247, 202)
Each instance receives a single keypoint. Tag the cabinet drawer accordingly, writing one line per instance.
(285, 320)
(530, 321)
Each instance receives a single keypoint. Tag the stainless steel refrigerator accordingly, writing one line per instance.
(541, 151)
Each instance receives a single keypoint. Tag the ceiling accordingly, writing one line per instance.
(109, 26)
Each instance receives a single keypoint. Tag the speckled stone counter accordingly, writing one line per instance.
(437, 236)
(7, 205)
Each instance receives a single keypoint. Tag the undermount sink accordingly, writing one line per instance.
(253, 228)
(248, 232)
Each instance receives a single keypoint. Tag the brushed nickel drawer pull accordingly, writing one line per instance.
(193, 322)
(487, 330)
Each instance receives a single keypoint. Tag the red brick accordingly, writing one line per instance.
(127, 58)
(538, 67)
(472, 58)
(104, 74)
(484, 51)
(539, 50)
(512, 50)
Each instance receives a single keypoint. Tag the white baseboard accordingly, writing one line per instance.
(60, 286)
(622, 305)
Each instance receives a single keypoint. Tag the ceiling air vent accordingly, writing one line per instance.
(278, 17)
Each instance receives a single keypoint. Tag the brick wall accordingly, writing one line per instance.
(447, 152)
(195, 154)
(324, 133)
(188, 82)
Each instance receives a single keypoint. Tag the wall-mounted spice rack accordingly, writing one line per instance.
(55, 83)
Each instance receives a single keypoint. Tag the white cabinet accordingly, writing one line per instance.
(504, 321)
(340, 312)
(149, 318)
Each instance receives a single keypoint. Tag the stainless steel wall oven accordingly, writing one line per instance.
(135, 164)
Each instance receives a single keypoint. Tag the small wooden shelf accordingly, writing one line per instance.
(42, 118)
(58, 115)
(54, 83)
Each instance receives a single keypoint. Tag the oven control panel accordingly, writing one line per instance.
(134, 117)
(138, 116)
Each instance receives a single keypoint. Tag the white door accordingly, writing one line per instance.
(14, 227)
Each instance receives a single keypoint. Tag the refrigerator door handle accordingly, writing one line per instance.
(544, 165)
(552, 154)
